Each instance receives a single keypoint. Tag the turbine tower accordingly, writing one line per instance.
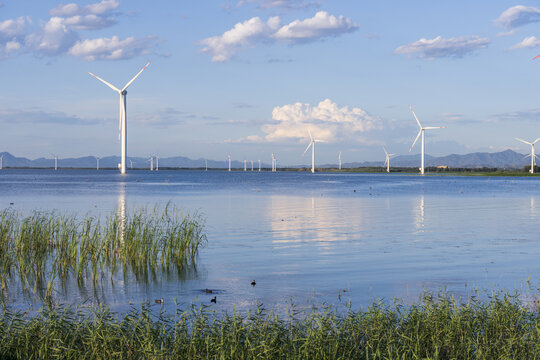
(387, 161)
(245, 169)
(123, 115)
(274, 162)
(312, 145)
(339, 159)
(206, 164)
(151, 159)
(421, 132)
(55, 162)
(1, 161)
(97, 162)
(229, 156)
(157, 162)
(532, 155)
(259, 165)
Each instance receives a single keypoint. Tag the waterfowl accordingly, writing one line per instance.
(214, 300)
(208, 291)
(159, 301)
(253, 283)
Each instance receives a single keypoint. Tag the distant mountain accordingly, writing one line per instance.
(507, 159)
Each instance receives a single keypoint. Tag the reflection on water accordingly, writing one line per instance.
(306, 238)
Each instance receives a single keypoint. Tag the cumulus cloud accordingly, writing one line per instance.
(527, 43)
(12, 33)
(326, 121)
(518, 15)
(91, 17)
(317, 27)
(284, 4)
(443, 48)
(54, 38)
(223, 47)
(112, 48)
(248, 33)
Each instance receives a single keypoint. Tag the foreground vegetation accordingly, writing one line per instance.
(46, 249)
(499, 328)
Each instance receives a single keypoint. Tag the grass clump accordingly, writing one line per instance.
(498, 328)
(46, 249)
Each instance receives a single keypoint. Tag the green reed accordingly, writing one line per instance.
(47, 248)
(498, 328)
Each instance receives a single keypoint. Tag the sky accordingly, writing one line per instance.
(250, 77)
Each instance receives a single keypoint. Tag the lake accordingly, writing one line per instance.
(309, 239)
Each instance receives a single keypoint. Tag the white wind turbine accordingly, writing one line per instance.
(131, 164)
(1, 161)
(421, 132)
(97, 162)
(274, 163)
(339, 159)
(123, 115)
(251, 165)
(532, 154)
(229, 157)
(157, 162)
(312, 145)
(245, 169)
(387, 161)
(206, 164)
(259, 165)
(55, 162)
(151, 159)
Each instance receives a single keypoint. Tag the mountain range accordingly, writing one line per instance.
(507, 159)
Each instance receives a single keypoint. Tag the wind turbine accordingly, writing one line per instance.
(229, 156)
(151, 159)
(421, 132)
(339, 158)
(206, 164)
(123, 115)
(1, 161)
(157, 162)
(131, 164)
(273, 163)
(532, 155)
(245, 169)
(97, 160)
(259, 165)
(312, 145)
(387, 161)
(251, 165)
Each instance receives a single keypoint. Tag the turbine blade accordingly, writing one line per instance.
(136, 76)
(523, 141)
(415, 140)
(311, 143)
(106, 83)
(386, 161)
(534, 142)
(309, 132)
(418, 121)
(434, 127)
(385, 151)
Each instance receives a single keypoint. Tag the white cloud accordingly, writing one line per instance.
(54, 38)
(112, 48)
(249, 32)
(444, 48)
(518, 15)
(72, 9)
(527, 43)
(284, 4)
(223, 47)
(326, 121)
(89, 22)
(321, 25)
(12, 33)
(507, 33)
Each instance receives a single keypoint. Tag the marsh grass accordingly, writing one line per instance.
(46, 249)
(497, 328)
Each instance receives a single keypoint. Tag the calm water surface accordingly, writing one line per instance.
(305, 237)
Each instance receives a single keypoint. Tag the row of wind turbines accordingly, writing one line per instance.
(122, 133)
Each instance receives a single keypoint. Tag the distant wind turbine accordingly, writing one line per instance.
(245, 169)
(157, 162)
(274, 163)
(229, 156)
(206, 164)
(532, 154)
(131, 164)
(97, 162)
(421, 132)
(55, 162)
(259, 165)
(123, 115)
(387, 161)
(312, 145)
(1, 161)
(151, 159)
(339, 159)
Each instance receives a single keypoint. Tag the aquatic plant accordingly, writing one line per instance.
(45, 249)
(498, 328)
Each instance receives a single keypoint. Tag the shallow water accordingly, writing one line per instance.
(307, 238)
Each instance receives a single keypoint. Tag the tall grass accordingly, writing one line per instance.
(498, 328)
(45, 249)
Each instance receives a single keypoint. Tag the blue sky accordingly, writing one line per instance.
(248, 77)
